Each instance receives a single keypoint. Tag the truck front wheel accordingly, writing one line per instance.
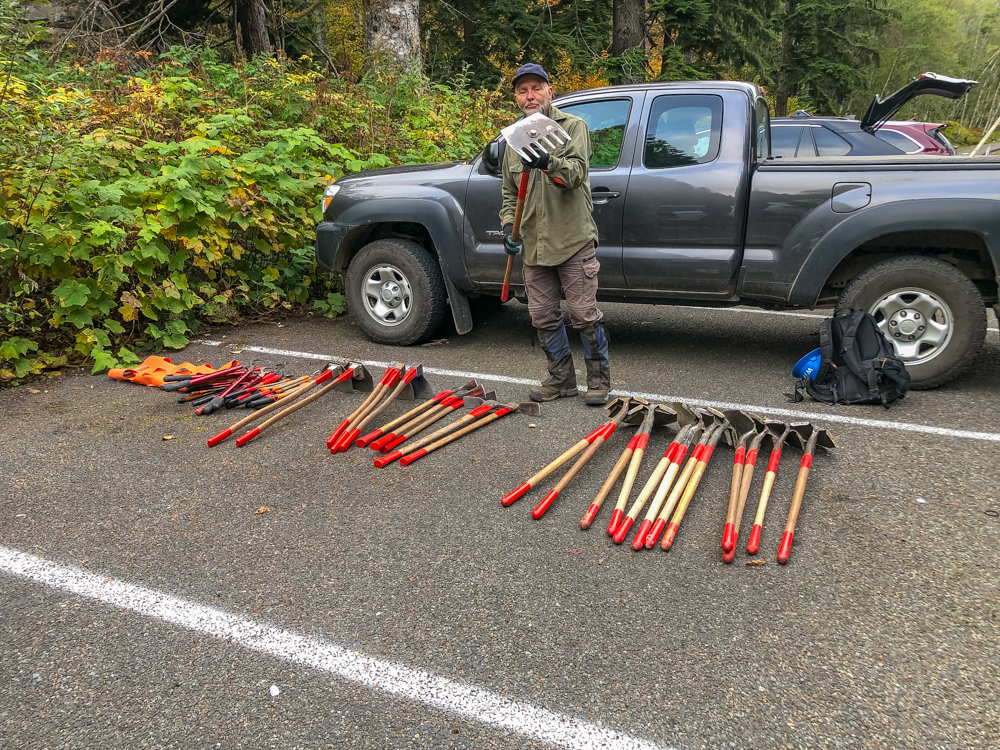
(930, 311)
(395, 292)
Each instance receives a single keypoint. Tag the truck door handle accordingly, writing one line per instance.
(603, 195)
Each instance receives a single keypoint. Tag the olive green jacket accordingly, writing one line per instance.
(558, 210)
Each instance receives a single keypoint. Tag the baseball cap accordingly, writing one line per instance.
(531, 69)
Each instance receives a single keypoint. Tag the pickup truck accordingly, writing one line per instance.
(692, 209)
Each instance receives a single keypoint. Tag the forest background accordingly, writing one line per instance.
(162, 161)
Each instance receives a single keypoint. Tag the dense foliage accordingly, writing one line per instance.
(135, 206)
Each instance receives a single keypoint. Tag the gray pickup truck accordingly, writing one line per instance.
(692, 209)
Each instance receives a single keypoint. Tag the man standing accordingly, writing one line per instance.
(558, 242)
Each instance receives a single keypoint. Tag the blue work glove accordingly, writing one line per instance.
(539, 159)
(513, 247)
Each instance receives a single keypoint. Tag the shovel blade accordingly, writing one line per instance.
(533, 134)
(418, 388)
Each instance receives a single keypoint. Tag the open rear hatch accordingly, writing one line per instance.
(928, 84)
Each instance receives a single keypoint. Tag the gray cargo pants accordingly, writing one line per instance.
(577, 276)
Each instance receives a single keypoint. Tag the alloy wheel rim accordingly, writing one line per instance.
(387, 294)
(917, 322)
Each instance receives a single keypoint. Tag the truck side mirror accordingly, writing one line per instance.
(493, 156)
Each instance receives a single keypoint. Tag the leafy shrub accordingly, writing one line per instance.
(136, 206)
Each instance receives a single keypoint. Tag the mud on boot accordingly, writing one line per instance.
(561, 381)
(595, 350)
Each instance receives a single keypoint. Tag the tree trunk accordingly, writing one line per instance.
(393, 28)
(319, 19)
(627, 33)
(252, 27)
(783, 89)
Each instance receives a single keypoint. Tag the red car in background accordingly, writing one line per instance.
(914, 137)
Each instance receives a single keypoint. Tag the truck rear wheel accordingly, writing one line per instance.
(930, 311)
(395, 292)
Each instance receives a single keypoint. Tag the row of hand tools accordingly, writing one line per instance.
(398, 382)
(232, 385)
(672, 485)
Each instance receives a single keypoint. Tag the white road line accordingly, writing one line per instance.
(468, 701)
(791, 314)
(883, 424)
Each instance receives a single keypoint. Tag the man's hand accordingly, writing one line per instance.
(539, 159)
(513, 247)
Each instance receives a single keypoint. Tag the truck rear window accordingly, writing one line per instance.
(683, 129)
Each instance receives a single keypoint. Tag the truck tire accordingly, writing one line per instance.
(930, 311)
(395, 292)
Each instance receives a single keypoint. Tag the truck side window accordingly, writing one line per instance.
(606, 121)
(829, 143)
(784, 140)
(762, 119)
(683, 129)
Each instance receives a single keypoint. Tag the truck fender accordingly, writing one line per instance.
(443, 217)
(978, 216)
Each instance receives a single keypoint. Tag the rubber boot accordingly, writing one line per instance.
(561, 381)
(595, 351)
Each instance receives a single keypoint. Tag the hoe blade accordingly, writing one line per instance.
(535, 133)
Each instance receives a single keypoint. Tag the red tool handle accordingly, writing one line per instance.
(522, 191)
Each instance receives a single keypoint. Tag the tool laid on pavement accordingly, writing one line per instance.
(638, 444)
(655, 414)
(609, 483)
(813, 437)
(669, 465)
(411, 384)
(530, 134)
(480, 406)
(773, 428)
(746, 426)
(723, 430)
(386, 430)
(389, 377)
(501, 410)
(709, 418)
(436, 414)
(617, 408)
(787, 435)
(621, 410)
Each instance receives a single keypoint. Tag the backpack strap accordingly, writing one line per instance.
(825, 352)
(863, 370)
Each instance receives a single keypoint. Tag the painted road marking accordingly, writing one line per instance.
(883, 424)
(758, 311)
(468, 701)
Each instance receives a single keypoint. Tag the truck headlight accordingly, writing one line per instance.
(329, 194)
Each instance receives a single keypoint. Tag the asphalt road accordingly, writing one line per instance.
(881, 632)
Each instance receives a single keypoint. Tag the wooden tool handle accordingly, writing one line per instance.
(362, 422)
(630, 475)
(433, 445)
(682, 480)
(685, 501)
(280, 404)
(595, 506)
(414, 412)
(291, 408)
(525, 486)
(785, 548)
(546, 503)
(515, 234)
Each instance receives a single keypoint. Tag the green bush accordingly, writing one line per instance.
(136, 206)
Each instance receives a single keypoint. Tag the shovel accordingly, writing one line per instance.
(533, 133)
(389, 378)
(788, 435)
(773, 429)
(411, 385)
(813, 437)
(746, 426)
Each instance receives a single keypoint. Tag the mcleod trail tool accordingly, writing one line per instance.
(623, 461)
(663, 475)
(527, 407)
(616, 407)
(746, 426)
(388, 379)
(385, 430)
(773, 428)
(813, 438)
(439, 412)
(638, 444)
(655, 414)
(479, 405)
(353, 375)
(788, 434)
(709, 418)
(529, 134)
(620, 416)
(724, 431)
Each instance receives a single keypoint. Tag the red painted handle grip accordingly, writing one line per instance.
(622, 530)
(729, 537)
(409, 459)
(655, 532)
(786, 548)
(668, 538)
(640, 537)
(215, 440)
(332, 440)
(366, 440)
(510, 497)
(387, 459)
(754, 544)
(244, 439)
(348, 439)
(543, 506)
(728, 557)
(393, 444)
(379, 444)
(616, 519)
(589, 516)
